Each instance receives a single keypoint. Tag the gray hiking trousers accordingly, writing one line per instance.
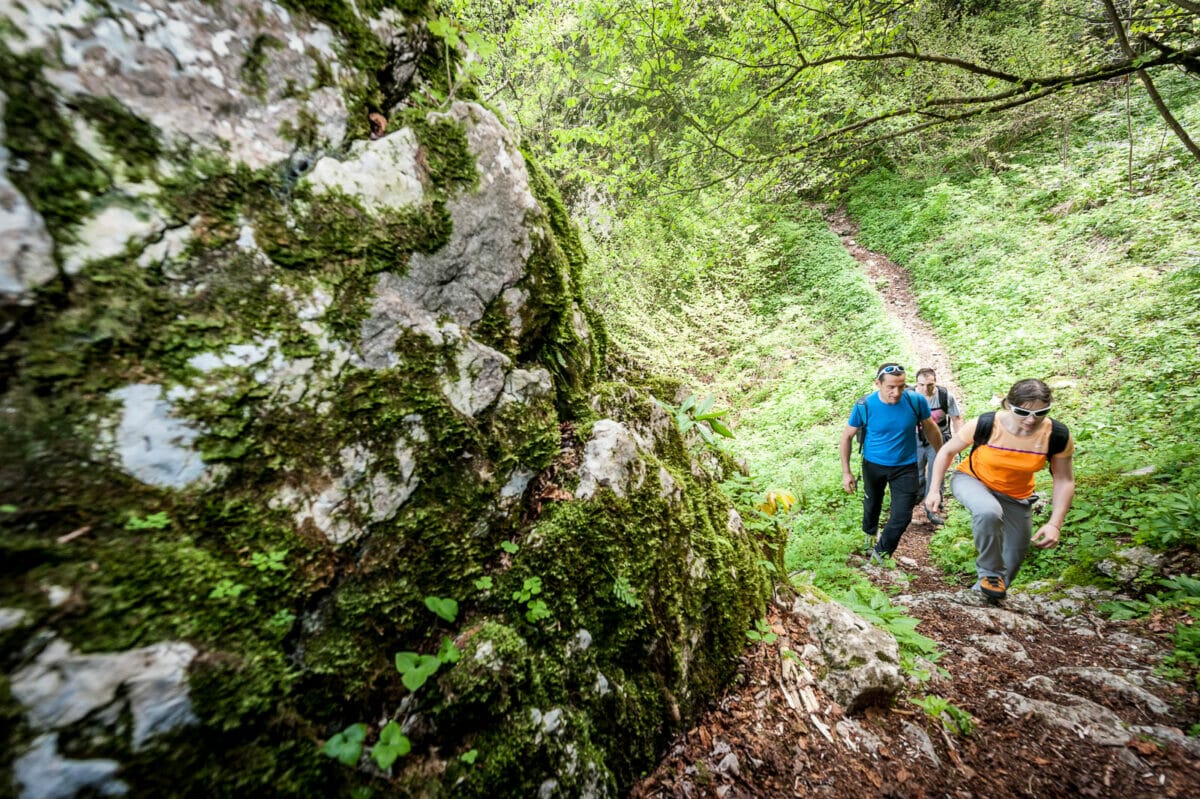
(1002, 526)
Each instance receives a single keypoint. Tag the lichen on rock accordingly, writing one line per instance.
(276, 394)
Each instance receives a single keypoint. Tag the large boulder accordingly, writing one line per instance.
(313, 478)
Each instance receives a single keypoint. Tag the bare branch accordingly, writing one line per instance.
(1142, 74)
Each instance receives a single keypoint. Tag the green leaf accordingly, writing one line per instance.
(469, 757)
(415, 670)
(721, 429)
(484, 583)
(8, 508)
(449, 653)
(406, 661)
(393, 743)
(509, 547)
(346, 746)
(155, 521)
(445, 609)
(537, 611)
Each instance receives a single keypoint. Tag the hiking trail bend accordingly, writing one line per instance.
(1060, 700)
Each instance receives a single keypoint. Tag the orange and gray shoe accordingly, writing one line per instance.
(993, 587)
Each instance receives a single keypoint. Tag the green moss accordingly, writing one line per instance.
(254, 68)
(304, 132)
(444, 145)
(126, 135)
(60, 179)
(555, 267)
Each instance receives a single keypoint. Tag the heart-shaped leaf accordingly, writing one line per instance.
(346, 746)
(469, 757)
(392, 744)
(446, 609)
(416, 669)
(449, 652)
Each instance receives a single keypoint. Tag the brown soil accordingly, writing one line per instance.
(757, 740)
(892, 282)
(782, 751)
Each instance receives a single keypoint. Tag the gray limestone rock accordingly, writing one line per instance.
(861, 661)
(26, 251)
(1129, 564)
(151, 442)
(1067, 711)
(448, 291)
(610, 460)
(62, 687)
(1127, 683)
(42, 773)
(180, 64)
(479, 378)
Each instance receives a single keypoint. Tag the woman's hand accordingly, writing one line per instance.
(1046, 537)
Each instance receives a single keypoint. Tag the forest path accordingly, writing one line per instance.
(1061, 701)
(895, 289)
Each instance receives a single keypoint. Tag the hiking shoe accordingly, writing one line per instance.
(934, 519)
(993, 587)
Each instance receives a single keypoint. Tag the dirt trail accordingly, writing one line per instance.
(1062, 701)
(892, 282)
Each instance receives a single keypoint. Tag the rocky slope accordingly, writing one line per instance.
(316, 476)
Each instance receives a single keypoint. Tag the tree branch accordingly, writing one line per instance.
(1155, 97)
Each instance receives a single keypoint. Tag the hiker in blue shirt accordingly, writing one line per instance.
(887, 418)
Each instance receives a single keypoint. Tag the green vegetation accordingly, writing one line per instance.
(684, 157)
(1055, 239)
(952, 717)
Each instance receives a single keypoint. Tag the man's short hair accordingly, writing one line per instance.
(926, 371)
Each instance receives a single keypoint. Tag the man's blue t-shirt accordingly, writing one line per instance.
(891, 429)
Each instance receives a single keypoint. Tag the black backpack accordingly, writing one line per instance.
(860, 435)
(1059, 435)
(944, 403)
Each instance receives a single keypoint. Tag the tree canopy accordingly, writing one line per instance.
(667, 96)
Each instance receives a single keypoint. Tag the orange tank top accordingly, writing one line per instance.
(1008, 463)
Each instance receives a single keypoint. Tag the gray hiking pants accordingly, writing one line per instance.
(1002, 526)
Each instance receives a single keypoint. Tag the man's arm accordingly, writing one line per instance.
(941, 463)
(954, 413)
(848, 481)
(933, 433)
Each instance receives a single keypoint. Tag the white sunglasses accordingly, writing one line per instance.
(1039, 413)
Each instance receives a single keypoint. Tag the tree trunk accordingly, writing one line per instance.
(1155, 97)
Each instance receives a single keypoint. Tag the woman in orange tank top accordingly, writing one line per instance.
(996, 484)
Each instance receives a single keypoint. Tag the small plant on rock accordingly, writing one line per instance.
(762, 632)
(953, 718)
(702, 418)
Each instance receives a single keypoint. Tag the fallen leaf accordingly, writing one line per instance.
(378, 123)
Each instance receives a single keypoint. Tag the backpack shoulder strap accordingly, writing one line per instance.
(861, 435)
(983, 428)
(1059, 435)
(944, 400)
(983, 431)
(913, 403)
